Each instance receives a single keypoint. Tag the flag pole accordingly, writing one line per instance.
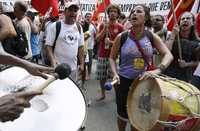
(106, 20)
(198, 7)
(178, 36)
(79, 4)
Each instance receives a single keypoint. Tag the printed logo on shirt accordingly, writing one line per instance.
(70, 38)
(138, 63)
(147, 47)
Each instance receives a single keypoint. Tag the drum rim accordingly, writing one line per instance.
(134, 84)
(86, 108)
(197, 124)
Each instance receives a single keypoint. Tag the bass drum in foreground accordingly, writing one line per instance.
(64, 100)
(162, 104)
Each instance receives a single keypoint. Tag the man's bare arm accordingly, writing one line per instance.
(6, 29)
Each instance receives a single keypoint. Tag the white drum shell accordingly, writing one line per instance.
(67, 108)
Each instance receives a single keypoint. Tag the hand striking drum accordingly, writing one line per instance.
(58, 95)
(62, 71)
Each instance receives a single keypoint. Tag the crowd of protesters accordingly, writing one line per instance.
(148, 43)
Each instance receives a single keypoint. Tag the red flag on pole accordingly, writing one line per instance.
(42, 6)
(101, 6)
(198, 24)
(180, 6)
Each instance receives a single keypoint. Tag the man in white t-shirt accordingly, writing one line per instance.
(91, 29)
(69, 43)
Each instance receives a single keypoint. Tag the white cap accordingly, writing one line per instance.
(73, 3)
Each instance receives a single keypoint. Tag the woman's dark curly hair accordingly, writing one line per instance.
(148, 22)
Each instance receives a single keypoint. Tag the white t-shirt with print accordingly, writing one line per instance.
(67, 44)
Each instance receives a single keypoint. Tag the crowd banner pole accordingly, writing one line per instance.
(178, 36)
(79, 4)
(198, 7)
(105, 18)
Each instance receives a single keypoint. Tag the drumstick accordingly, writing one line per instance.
(62, 71)
(108, 85)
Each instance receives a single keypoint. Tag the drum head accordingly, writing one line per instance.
(144, 104)
(66, 105)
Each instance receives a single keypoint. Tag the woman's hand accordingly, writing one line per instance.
(150, 74)
(116, 77)
(182, 63)
(176, 29)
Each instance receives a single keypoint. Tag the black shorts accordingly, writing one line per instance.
(121, 96)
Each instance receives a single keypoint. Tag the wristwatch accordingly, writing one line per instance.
(162, 67)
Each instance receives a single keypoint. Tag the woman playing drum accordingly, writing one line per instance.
(135, 61)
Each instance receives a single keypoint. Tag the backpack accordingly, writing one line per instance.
(125, 35)
(58, 28)
(17, 45)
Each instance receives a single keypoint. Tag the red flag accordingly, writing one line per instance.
(101, 6)
(42, 6)
(198, 24)
(180, 6)
(175, 2)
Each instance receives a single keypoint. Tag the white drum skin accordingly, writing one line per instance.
(66, 105)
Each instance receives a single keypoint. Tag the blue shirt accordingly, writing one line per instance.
(35, 44)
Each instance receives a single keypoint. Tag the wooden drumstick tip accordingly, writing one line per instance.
(46, 83)
(114, 82)
(62, 71)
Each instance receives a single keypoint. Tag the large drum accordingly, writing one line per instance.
(163, 104)
(66, 107)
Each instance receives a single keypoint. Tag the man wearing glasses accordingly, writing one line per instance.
(158, 22)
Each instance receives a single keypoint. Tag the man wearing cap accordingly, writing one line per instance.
(69, 43)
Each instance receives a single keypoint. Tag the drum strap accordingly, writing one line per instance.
(146, 59)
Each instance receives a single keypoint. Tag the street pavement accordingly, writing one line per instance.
(101, 115)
